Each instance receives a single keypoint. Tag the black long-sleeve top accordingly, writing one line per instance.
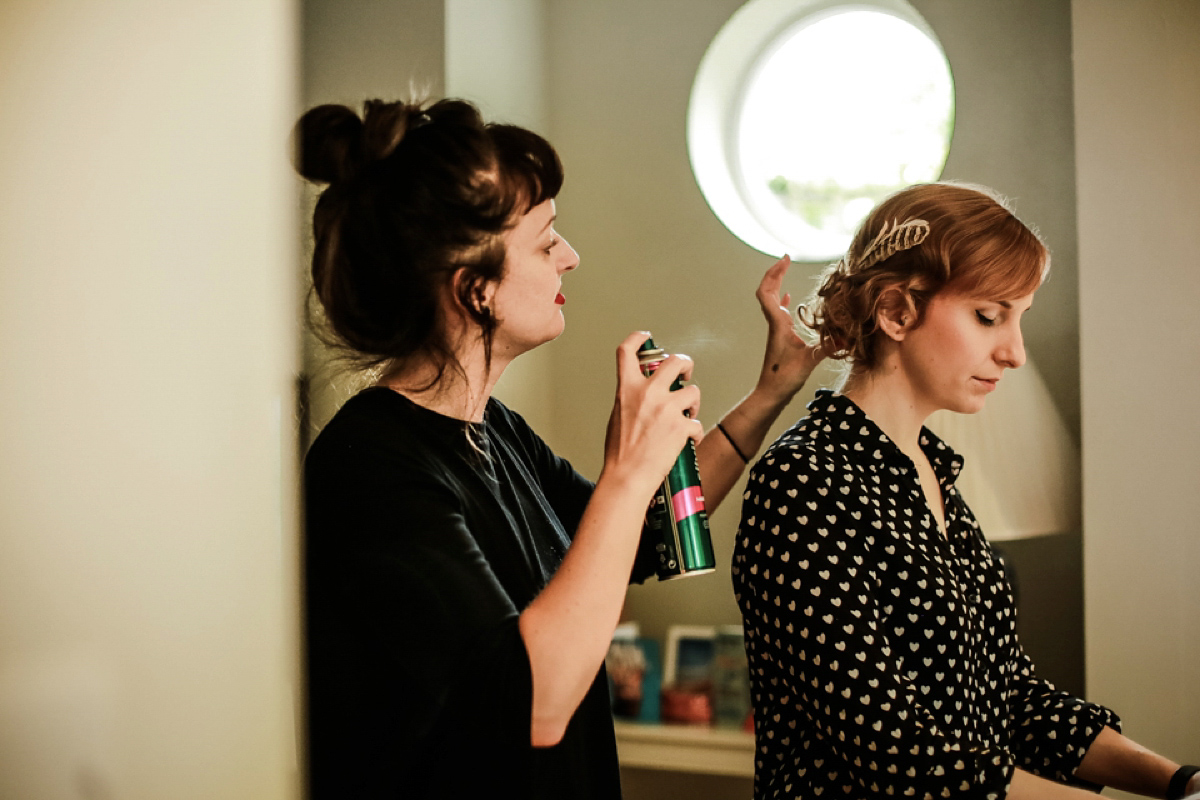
(425, 539)
(884, 658)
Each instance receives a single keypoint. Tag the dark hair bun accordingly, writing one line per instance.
(385, 124)
(329, 144)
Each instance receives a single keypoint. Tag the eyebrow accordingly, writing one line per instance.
(1005, 304)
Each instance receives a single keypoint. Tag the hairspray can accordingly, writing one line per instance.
(676, 516)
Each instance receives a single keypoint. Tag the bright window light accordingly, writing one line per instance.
(840, 105)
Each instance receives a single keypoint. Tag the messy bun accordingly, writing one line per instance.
(333, 142)
(328, 144)
(922, 240)
(415, 193)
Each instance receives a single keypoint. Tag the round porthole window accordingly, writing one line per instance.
(806, 113)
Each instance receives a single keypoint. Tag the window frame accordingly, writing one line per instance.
(750, 36)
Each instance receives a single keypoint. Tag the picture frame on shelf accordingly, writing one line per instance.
(689, 655)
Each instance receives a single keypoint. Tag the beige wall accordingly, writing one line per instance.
(1138, 112)
(147, 456)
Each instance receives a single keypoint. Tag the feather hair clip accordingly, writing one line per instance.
(892, 239)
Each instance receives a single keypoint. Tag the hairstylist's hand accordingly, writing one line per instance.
(788, 360)
(649, 424)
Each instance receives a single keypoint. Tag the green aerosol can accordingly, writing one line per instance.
(676, 517)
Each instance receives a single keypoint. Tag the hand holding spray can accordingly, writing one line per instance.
(676, 516)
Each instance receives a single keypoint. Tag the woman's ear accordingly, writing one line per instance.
(472, 297)
(895, 314)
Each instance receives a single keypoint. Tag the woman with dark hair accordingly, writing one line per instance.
(462, 581)
(880, 628)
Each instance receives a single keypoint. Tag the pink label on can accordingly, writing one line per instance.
(648, 367)
(687, 502)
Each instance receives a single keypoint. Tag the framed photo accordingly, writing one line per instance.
(690, 652)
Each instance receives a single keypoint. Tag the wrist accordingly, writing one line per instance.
(773, 392)
(767, 400)
(1185, 781)
(621, 481)
(733, 443)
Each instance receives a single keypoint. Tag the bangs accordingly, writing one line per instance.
(1012, 263)
(530, 171)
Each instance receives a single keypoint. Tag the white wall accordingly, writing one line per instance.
(147, 336)
(1137, 107)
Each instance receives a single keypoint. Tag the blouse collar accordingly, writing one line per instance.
(842, 420)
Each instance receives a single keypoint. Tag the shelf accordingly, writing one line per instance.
(686, 748)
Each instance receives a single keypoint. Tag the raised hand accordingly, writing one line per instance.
(788, 360)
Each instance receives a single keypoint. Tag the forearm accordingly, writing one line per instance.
(747, 425)
(568, 626)
(1027, 786)
(1116, 761)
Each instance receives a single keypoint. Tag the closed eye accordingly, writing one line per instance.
(550, 246)
(984, 319)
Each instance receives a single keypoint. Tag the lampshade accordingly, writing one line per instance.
(1021, 465)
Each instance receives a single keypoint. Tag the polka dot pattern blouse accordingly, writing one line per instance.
(883, 655)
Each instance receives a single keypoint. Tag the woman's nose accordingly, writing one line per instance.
(1012, 350)
(570, 257)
